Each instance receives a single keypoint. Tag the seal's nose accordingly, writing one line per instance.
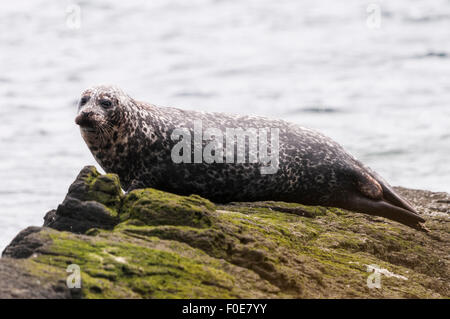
(84, 119)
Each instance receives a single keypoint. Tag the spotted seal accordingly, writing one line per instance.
(135, 141)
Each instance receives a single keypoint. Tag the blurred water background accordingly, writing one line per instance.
(373, 75)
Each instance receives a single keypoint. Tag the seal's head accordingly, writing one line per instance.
(100, 111)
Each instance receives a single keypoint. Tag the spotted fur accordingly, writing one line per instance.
(132, 139)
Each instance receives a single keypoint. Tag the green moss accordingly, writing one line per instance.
(170, 246)
(154, 207)
(117, 268)
(104, 189)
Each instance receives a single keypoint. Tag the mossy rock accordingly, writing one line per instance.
(154, 207)
(162, 245)
(104, 189)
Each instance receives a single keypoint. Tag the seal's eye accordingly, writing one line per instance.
(84, 100)
(105, 103)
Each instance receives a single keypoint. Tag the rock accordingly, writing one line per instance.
(92, 201)
(24, 244)
(17, 281)
(153, 244)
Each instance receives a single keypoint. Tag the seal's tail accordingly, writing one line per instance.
(376, 197)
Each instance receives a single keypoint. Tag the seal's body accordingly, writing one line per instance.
(136, 141)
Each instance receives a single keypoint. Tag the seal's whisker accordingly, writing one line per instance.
(108, 129)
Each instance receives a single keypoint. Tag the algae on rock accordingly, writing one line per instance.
(153, 244)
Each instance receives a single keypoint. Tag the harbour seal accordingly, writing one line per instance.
(135, 140)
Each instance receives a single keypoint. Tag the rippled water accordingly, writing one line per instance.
(383, 93)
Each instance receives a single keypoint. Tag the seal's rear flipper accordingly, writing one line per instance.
(385, 209)
(390, 195)
(376, 197)
(388, 192)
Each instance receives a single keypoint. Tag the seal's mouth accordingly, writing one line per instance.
(86, 122)
(87, 129)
